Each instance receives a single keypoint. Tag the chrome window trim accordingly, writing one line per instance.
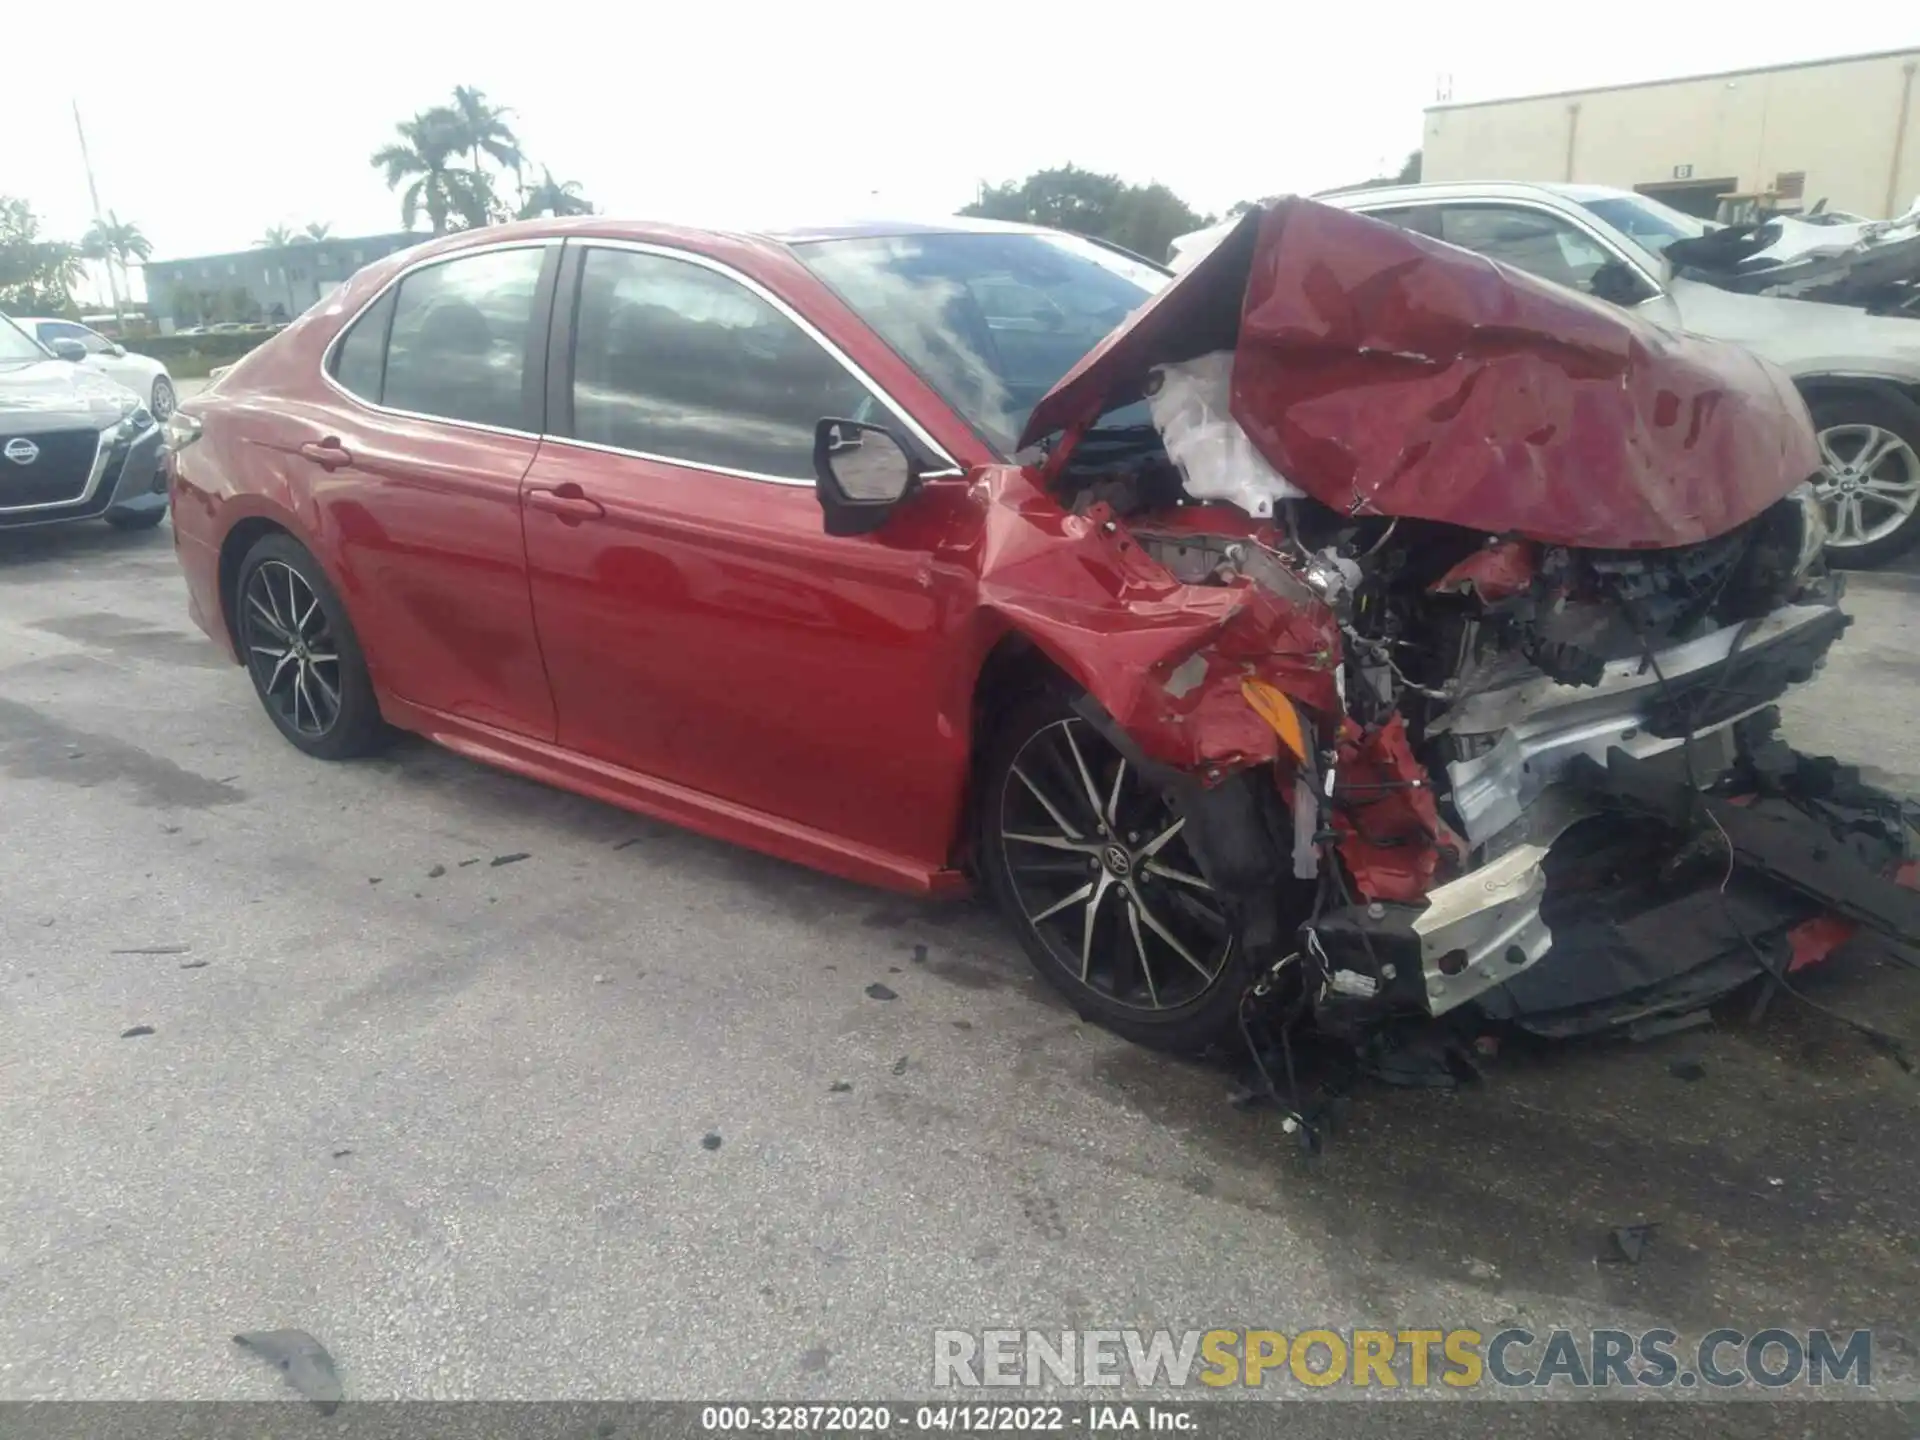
(326, 355)
(806, 327)
(1482, 202)
(950, 473)
(102, 452)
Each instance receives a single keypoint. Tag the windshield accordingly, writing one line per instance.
(991, 321)
(16, 345)
(1654, 225)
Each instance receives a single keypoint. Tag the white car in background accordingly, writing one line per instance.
(1851, 340)
(142, 374)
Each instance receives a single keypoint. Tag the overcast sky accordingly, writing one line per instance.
(210, 121)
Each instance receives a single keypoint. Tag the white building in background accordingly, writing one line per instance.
(1845, 130)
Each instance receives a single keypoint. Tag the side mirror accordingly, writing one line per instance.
(1618, 283)
(69, 350)
(117, 350)
(860, 473)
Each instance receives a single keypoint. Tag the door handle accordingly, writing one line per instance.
(328, 454)
(566, 500)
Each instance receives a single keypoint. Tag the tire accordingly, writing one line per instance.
(1136, 983)
(163, 402)
(300, 650)
(1868, 526)
(135, 519)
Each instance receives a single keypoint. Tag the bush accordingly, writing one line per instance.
(190, 356)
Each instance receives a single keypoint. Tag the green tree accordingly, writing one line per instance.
(554, 197)
(1141, 218)
(484, 130)
(278, 237)
(419, 160)
(36, 274)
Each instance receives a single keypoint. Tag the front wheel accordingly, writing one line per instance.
(162, 402)
(1870, 486)
(301, 651)
(1088, 863)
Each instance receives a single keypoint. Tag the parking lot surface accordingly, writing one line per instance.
(504, 1093)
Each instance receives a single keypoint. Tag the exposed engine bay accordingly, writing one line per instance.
(1514, 721)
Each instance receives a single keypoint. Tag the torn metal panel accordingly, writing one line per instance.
(1385, 373)
(1166, 659)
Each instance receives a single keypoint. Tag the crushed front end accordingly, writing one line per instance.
(1534, 575)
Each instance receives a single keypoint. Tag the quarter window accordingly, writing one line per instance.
(674, 360)
(360, 359)
(457, 346)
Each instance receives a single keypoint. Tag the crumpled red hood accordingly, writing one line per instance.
(1386, 373)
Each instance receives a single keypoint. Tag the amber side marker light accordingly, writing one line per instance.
(1272, 706)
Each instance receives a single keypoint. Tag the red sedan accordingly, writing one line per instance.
(843, 545)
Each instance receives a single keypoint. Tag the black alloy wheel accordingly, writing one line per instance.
(1089, 863)
(301, 651)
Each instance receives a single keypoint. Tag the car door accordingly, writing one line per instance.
(414, 460)
(698, 625)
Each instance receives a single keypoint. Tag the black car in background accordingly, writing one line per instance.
(74, 445)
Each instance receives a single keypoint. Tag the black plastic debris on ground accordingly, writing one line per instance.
(900, 1066)
(136, 1032)
(436, 872)
(153, 950)
(302, 1359)
(513, 859)
(710, 1140)
(877, 991)
(1627, 1243)
(1687, 1070)
(840, 1087)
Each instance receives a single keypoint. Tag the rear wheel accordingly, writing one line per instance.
(301, 651)
(1870, 485)
(1088, 862)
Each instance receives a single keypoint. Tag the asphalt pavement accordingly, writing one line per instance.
(504, 1093)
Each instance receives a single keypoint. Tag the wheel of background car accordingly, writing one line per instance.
(1870, 446)
(1088, 863)
(136, 519)
(301, 651)
(163, 400)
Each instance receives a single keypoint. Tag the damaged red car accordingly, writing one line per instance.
(1352, 623)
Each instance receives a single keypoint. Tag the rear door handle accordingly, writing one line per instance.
(328, 454)
(566, 500)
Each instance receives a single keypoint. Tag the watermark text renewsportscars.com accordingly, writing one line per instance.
(1456, 1359)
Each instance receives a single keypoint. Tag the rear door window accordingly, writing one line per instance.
(1527, 239)
(677, 361)
(458, 342)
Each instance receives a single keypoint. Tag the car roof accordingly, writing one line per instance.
(1443, 189)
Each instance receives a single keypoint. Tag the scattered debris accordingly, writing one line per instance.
(1481, 1270)
(629, 841)
(919, 954)
(877, 991)
(840, 1087)
(373, 879)
(465, 863)
(963, 1024)
(900, 1066)
(436, 872)
(602, 979)
(1627, 1243)
(193, 965)
(152, 949)
(1687, 1070)
(710, 1140)
(341, 1154)
(893, 969)
(136, 1032)
(1775, 1181)
(813, 1360)
(513, 859)
(302, 1359)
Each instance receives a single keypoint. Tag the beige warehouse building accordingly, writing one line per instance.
(1844, 130)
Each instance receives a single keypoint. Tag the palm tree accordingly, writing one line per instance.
(483, 128)
(318, 230)
(115, 244)
(278, 237)
(36, 275)
(427, 142)
(554, 197)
